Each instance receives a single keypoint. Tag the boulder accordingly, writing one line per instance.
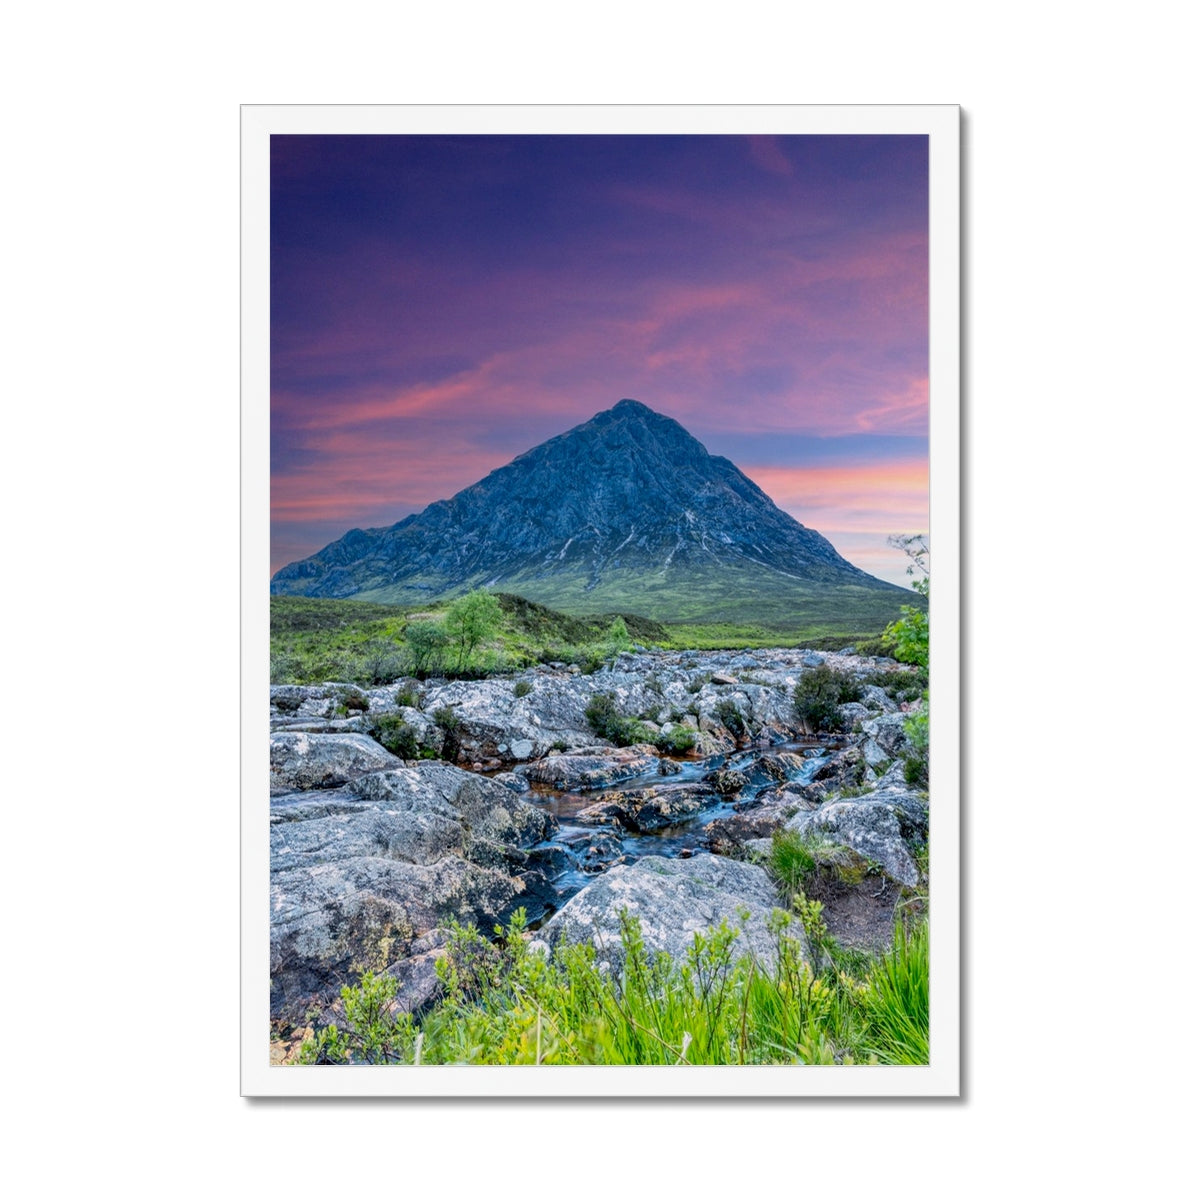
(588, 772)
(880, 826)
(726, 781)
(777, 768)
(647, 809)
(876, 699)
(490, 715)
(302, 761)
(673, 900)
(593, 850)
(887, 732)
(354, 881)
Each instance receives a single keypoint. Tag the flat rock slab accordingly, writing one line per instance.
(305, 761)
(647, 809)
(673, 899)
(588, 772)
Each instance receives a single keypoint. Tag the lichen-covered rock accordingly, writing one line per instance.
(301, 761)
(588, 772)
(355, 879)
(880, 826)
(673, 900)
(887, 732)
(647, 809)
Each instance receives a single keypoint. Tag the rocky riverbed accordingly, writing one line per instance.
(371, 852)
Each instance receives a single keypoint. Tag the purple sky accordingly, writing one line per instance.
(442, 304)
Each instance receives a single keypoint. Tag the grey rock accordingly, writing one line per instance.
(888, 733)
(398, 851)
(647, 809)
(673, 900)
(873, 753)
(878, 826)
(876, 699)
(301, 761)
(588, 772)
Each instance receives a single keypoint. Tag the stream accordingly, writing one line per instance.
(579, 850)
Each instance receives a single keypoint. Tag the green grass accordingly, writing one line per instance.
(503, 1003)
(313, 641)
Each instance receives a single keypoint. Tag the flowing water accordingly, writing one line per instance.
(567, 850)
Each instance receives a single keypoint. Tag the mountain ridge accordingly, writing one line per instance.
(627, 506)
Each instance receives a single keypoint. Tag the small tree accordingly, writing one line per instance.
(471, 620)
(908, 638)
(426, 641)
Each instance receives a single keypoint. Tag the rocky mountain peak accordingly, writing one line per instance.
(627, 510)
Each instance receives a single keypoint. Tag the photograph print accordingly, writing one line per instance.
(599, 615)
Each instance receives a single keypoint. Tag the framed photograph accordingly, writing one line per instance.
(600, 727)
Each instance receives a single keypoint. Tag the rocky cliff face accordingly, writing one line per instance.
(627, 510)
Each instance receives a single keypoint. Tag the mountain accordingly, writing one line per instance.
(625, 512)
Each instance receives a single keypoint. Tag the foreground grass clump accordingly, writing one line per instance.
(505, 1003)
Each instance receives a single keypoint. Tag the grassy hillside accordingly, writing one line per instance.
(738, 594)
(316, 640)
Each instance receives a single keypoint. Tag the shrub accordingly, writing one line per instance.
(449, 722)
(406, 697)
(522, 688)
(902, 686)
(381, 662)
(618, 639)
(607, 722)
(819, 693)
(678, 741)
(354, 702)
(916, 729)
(908, 637)
(374, 1033)
(394, 734)
(728, 713)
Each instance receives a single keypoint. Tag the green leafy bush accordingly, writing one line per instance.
(908, 638)
(607, 722)
(375, 1032)
(522, 688)
(382, 661)
(728, 713)
(819, 694)
(394, 734)
(916, 729)
(678, 741)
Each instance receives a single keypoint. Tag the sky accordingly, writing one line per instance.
(440, 305)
